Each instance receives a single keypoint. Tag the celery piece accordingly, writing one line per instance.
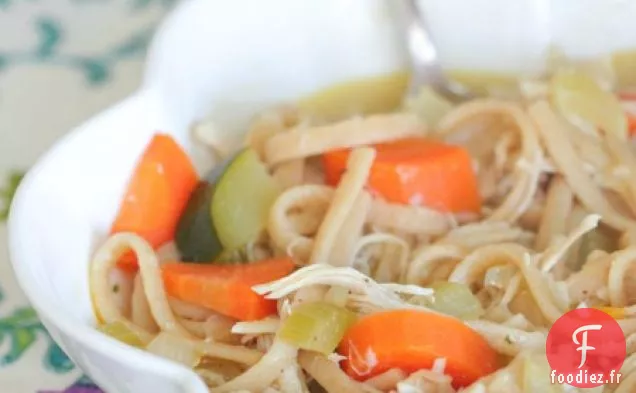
(317, 326)
(121, 332)
(243, 197)
(455, 299)
(580, 98)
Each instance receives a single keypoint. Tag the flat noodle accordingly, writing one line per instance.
(560, 148)
(392, 262)
(290, 173)
(306, 142)
(292, 381)
(625, 159)
(555, 253)
(329, 375)
(622, 262)
(387, 380)
(269, 124)
(265, 326)
(350, 186)
(590, 148)
(343, 250)
(374, 240)
(428, 257)
(473, 236)
(264, 373)
(555, 216)
(507, 340)
(410, 219)
(186, 310)
(141, 314)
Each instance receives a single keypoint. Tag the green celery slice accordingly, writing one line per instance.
(317, 326)
(242, 200)
(455, 299)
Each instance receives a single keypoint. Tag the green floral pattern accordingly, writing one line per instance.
(26, 348)
(96, 69)
(22, 328)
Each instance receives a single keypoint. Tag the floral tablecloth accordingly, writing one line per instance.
(61, 61)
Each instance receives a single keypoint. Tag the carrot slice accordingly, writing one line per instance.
(226, 289)
(627, 96)
(417, 171)
(156, 195)
(631, 123)
(411, 340)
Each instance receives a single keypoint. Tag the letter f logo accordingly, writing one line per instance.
(583, 343)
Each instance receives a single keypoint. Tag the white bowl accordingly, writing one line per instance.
(233, 58)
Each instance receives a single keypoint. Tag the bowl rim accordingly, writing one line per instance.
(151, 95)
(47, 308)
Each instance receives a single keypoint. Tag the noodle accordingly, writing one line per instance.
(476, 264)
(301, 143)
(282, 232)
(621, 263)
(409, 219)
(387, 380)
(263, 373)
(290, 173)
(526, 176)
(105, 259)
(531, 252)
(329, 375)
(343, 250)
(141, 314)
(557, 210)
(567, 160)
(350, 186)
(427, 258)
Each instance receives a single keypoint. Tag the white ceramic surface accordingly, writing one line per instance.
(231, 59)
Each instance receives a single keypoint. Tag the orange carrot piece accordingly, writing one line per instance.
(627, 96)
(417, 171)
(628, 99)
(226, 289)
(156, 195)
(631, 123)
(411, 340)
